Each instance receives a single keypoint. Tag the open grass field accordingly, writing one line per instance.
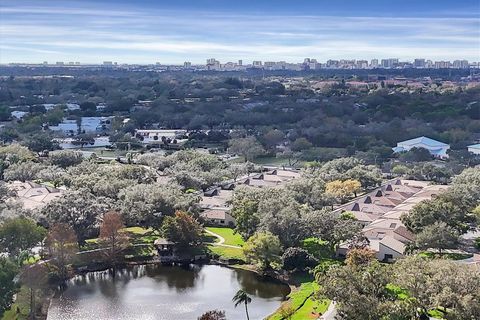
(227, 252)
(231, 238)
(302, 304)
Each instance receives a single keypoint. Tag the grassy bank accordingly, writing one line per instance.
(301, 304)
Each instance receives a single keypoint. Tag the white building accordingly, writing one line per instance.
(156, 136)
(474, 148)
(436, 148)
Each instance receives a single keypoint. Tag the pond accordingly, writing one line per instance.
(165, 292)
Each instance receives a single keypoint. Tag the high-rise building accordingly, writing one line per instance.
(257, 64)
(442, 64)
(389, 63)
(213, 64)
(419, 63)
(362, 64)
(460, 64)
(332, 64)
(59, 63)
(374, 63)
(240, 62)
(187, 64)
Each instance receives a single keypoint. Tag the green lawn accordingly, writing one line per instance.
(449, 256)
(226, 252)
(303, 304)
(137, 230)
(231, 238)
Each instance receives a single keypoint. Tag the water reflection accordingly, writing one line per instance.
(160, 292)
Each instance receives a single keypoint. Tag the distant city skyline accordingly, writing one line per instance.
(194, 30)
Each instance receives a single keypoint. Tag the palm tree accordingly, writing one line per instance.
(242, 297)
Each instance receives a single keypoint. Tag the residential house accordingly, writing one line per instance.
(380, 211)
(218, 217)
(32, 195)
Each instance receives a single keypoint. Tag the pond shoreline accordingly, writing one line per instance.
(208, 286)
(100, 267)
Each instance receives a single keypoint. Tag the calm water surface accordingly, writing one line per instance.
(161, 293)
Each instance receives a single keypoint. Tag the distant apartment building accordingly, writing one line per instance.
(419, 63)
(362, 64)
(257, 64)
(213, 64)
(374, 63)
(389, 63)
(332, 64)
(442, 64)
(187, 64)
(461, 64)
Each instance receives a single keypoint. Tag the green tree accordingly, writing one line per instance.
(8, 286)
(149, 204)
(182, 229)
(20, 234)
(247, 147)
(358, 257)
(79, 209)
(273, 137)
(52, 174)
(263, 249)
(66, 158)
(438, 236)
(35, 277)
(241, 297)
(439, 282)
(295, 258)
(245, 203)
(301, 144)
(22, 171)
(62, 246)
(332, 227)
(440, 209)
(360, 291)
(40, 143)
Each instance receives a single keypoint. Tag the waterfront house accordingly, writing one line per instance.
(218, 217)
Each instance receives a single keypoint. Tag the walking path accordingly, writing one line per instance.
(330, 313)
(221, 240)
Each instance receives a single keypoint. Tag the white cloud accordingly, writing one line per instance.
(86, 32)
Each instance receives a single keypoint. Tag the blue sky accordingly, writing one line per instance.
(148, 31)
